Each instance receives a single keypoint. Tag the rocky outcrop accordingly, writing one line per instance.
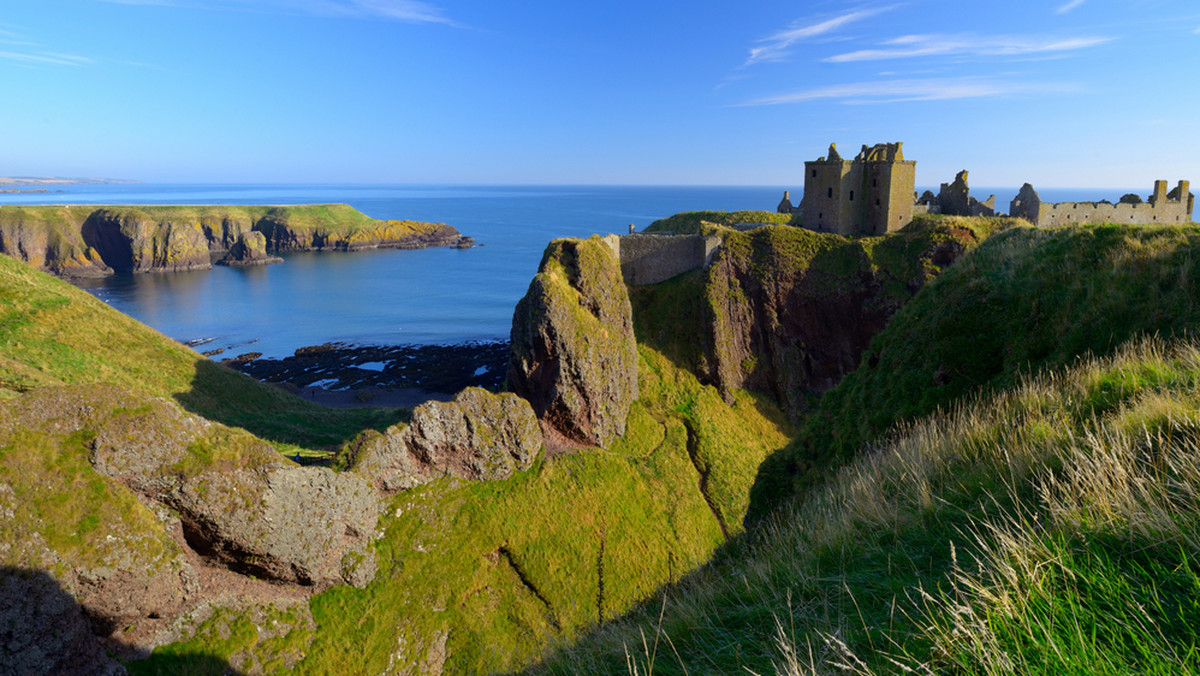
(791, 312)
(130, 241)
(250, 248)
(287, 232)
(479, 436)
(239, 503)
(50, 239)
(44, 631)
(574, 356)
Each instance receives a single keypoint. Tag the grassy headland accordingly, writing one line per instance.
(980, 496)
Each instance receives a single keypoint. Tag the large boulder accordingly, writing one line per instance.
(479, 436)
(574, 356)
(238, 501)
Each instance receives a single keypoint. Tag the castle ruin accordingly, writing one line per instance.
(871, 194)
(1161, 207)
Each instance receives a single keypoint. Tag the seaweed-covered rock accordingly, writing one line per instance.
(574, 356)
(479, 436)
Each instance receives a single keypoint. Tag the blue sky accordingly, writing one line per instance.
(1061, 93)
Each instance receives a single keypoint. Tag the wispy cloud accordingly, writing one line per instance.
(910, 46)
(893, 91)
(1063, 9)
(45, 58)
(412, 11)
(775, 47)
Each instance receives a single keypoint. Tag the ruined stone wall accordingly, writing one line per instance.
(650, 259)
(1159, 209)
(1066, 213)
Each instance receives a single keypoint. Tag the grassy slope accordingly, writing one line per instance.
(1031, 299)
(495, 571)
(52, 333)
(1045, 527)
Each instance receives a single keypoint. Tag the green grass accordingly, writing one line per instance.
(52, 334)
(694, 222)
(1029, 532)
(1027, 300)
(1047, 523)
(495, 571)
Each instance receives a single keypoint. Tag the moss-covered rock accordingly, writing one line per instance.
(250, 248)
(479, 436)
(574, 357)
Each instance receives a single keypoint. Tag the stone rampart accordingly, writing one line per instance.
(649, 259)
(1175, 207)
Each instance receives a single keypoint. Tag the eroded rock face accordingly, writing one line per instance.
(574, 356)
(44, 631)
(240, 503)
(794, 326)
(479, 436)
(131, 242)
(50, 241)
(250, 248)
(305, 525)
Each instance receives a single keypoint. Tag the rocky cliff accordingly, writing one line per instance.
(790, 312)
(83, 241)
(574, 357)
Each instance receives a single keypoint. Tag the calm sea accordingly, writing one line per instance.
(393, 297)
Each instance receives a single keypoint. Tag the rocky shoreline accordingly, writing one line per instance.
(342, 375)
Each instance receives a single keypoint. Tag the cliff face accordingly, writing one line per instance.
(574, 357)
(91, 241)
(50, 239)
(130, 241)
(790, 312)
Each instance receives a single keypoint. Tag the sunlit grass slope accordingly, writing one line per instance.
(1027, 300)
(484, 575)
(52, 333)
(1044, 524)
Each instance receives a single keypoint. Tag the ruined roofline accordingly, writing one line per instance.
(880, 152)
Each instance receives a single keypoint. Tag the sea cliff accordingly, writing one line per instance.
(94, 241)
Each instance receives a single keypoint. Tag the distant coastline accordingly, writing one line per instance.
(13, 184)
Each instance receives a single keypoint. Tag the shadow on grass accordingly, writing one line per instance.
(223, 395)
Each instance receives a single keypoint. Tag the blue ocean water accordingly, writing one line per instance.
(393, 297)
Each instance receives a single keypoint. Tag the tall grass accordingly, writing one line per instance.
(1051, 528)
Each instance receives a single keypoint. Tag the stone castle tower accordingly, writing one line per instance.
(871, 195)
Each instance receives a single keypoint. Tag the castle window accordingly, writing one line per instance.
(874, 183)
(814, 173)
(831, 192)
(851, 195)
(876, 201)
